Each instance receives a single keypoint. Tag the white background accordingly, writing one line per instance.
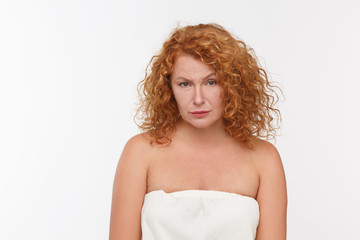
(68, 75)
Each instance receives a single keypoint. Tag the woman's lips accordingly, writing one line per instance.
(199, 113)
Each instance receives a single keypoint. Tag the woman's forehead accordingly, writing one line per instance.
(187, 66)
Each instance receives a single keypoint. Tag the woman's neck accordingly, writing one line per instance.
(201, 137)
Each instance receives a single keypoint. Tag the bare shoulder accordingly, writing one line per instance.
(135, 154)
(135, 151)
(129, 188)
(272, 194)
(266, 155)
(138, 142)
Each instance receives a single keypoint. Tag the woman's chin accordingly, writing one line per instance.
(200, 123)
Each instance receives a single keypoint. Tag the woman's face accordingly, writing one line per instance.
(197, 92)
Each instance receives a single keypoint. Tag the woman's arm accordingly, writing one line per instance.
(129, 190)
(272, 195)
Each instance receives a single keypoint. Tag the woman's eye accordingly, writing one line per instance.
(184, 84)
(212, 82)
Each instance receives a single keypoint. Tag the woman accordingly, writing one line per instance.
(200, 169)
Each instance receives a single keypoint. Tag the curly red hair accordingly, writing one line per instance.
(248, 95)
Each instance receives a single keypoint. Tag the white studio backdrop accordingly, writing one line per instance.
(68, 76)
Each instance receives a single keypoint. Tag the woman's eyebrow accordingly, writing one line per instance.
(210, 75)
(184, 78)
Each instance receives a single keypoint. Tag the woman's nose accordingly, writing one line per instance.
(199, 96)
